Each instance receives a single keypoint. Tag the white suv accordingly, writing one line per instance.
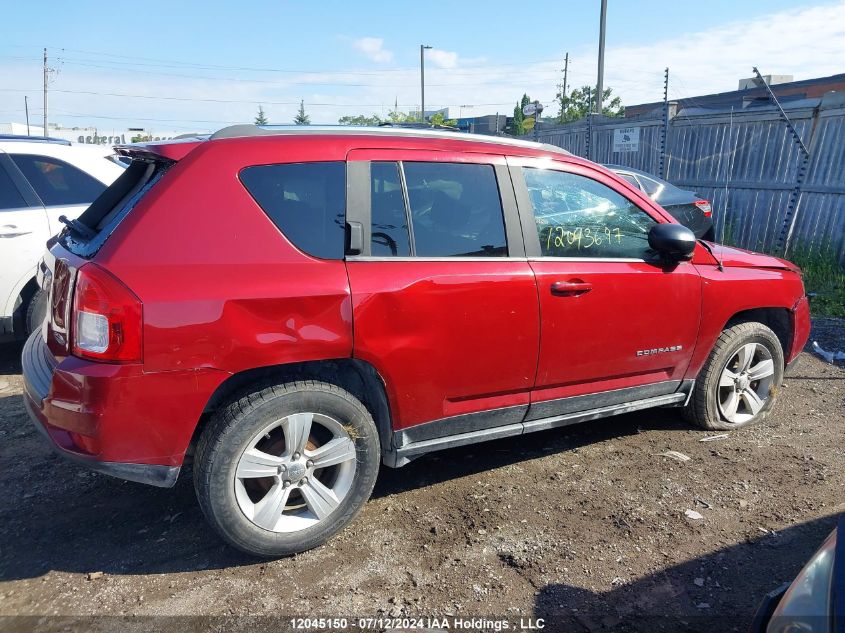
(40, 180)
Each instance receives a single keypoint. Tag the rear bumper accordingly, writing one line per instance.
(162, 476)
(114, 419)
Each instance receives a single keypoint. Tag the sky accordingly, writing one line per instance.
(198, 66)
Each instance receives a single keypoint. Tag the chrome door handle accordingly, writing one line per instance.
(8, 230)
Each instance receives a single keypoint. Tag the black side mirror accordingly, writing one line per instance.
(672, 241)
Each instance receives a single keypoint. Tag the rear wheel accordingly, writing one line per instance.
(738, 383)
(36, 310)
(283, 469)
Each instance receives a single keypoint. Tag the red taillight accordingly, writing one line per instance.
(705, 207)
(57, 326)
(107, 318)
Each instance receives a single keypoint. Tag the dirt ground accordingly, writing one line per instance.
(584, 527)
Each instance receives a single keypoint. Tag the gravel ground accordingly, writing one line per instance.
(584, 527)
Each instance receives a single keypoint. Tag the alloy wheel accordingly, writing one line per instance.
(295, 472)
(745, 383)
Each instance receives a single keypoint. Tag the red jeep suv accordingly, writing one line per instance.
(288, 309)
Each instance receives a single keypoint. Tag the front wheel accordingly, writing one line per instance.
(284, 468)
(738, 383)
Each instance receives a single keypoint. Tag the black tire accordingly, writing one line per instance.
(710, 234)
(703, 408)
(36, 311)
(234, 426)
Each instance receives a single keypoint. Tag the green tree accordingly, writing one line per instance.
(301, 118)
(576, 105)
(394, 116)
(359, 119)
(438, 119)
(518, 128)
(260, 119)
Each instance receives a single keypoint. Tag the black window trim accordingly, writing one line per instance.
(358, 209)
(529, 223)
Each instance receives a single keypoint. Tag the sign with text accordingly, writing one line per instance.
(626, 139)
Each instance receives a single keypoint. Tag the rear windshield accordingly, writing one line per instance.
(100, 219)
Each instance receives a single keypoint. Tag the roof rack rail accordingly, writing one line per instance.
(34, 139)
(246, 130)
(419, 126)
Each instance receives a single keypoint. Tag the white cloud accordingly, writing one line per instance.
(373, 47)
(442, 59)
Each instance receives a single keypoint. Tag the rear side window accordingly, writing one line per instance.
(10, 197)
(306, 201)
(56, 182)
(630, 178)
(389, 217)
(651, 187)
(455, 210)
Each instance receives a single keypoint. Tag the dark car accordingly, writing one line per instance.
(290, 308)
(815, 601)
(687, 207)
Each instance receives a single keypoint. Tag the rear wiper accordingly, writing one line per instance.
(77, 227)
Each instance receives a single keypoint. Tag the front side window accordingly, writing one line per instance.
(306, 201)
(580, 217)
(56, 182)
(455, 210)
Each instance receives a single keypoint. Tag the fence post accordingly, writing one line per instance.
(795, 195)
(665, 132)
(590, 125)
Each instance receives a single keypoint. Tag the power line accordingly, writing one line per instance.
(246, 101)
(163, 63)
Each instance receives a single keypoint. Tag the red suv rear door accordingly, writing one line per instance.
(617, 325)
(444, 301)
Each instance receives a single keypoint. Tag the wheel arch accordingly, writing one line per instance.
(356, 376)
(779, 320)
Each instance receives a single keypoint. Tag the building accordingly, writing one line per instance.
(486, 124)
(751, 91)
(91, 135)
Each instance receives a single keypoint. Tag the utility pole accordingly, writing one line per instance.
(45, 92)
(26, 108)
(565, 75)
(423, 48)
(562, 88)
(600, 84)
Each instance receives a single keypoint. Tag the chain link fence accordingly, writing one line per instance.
(745, 161)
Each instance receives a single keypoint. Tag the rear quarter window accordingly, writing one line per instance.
(306, 201)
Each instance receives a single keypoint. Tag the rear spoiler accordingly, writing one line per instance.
(174, 150)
